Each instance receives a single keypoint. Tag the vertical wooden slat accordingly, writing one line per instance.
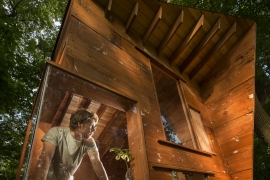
(29, 125)
(137, 143)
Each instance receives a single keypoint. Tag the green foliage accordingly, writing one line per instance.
(28, 31)
(261, 160)
(124, 154)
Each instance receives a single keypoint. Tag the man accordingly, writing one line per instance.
(63, 149)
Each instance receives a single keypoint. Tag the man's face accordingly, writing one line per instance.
(88, 129)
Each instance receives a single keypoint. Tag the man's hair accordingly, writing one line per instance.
(82, 117)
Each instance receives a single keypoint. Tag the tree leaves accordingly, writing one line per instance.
(124, 154)
(28, 31)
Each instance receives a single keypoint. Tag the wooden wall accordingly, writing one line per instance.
(94, 47)
(229, 97)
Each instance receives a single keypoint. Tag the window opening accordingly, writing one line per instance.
(170, 134)
(171, 107)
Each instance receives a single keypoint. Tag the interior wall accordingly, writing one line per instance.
(229, 96)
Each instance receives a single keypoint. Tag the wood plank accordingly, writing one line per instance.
(92, 89)
(240, 162)
(200, 46)
(236, 59)
(180, 158)
(179, 146)
(137, 143)
(66, 29)
(132, 61)
(248, 174)
(178, 21)
(232, 104)
(110, 67)
(213, 51)
(241, 125)
(238, 144)
(187, 40)
(132, 17)
(153, 25)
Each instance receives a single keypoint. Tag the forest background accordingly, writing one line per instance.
(28, 31)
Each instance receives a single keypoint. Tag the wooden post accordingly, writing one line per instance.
(29, 125)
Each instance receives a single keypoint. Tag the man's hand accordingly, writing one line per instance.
(97, 165)
(44, 161)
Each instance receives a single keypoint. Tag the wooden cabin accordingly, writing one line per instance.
(173, 84)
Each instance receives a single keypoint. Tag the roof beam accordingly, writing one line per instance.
(132, 17)
(213, 51)
(108, 125)
(61, 111)
(178, 21)
(101, 110)
(87, 103)
(200, 46)
(185, 42)
(108, 8)
(153, 25)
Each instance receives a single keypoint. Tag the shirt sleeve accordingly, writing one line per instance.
(51, 136)
(91, 145)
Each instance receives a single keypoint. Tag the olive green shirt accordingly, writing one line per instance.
(68, 153)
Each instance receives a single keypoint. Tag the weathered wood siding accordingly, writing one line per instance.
(99, 49)
(229, 97)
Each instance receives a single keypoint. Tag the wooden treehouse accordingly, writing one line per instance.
(173, 84)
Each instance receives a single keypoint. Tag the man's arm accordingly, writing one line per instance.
(44, 161)
(97, 165)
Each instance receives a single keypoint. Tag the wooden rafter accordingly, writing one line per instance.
(108, 8)
(108, 125)
(101, 110)
(213, 51)
(153, 25)
(87, 103)
(61, 111)
(132, 17)
(187, 40)
(200, 46)
(172, 31)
